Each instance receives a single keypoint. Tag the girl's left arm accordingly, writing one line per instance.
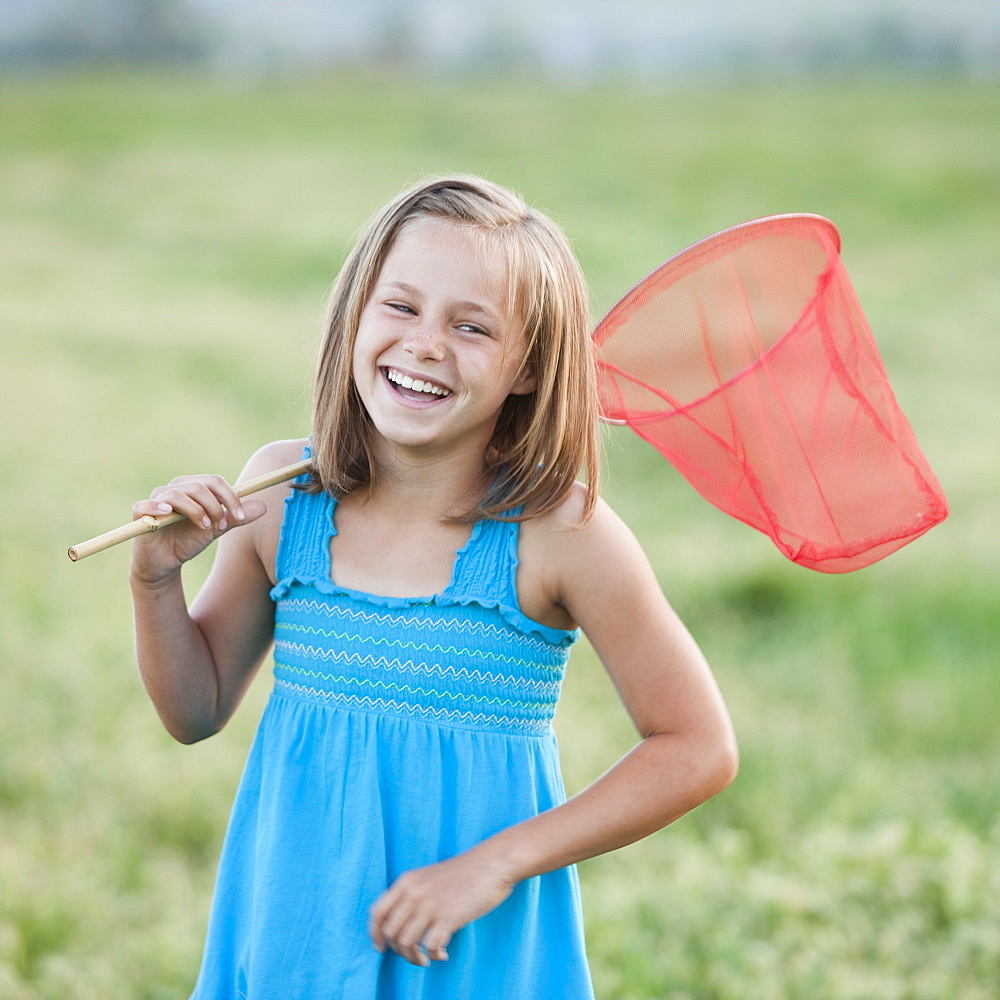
(687, 753)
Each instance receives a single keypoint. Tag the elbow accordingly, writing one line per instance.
(694, 770)
(703, 768)
(189, 732)
(727, 764)
(720, 762)
(191, 721)
(714, 762)
(189, 738)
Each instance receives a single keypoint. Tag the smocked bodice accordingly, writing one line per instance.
(467, 657)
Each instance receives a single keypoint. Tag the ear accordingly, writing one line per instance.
(524, 383)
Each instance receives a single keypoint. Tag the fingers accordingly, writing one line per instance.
(411, 926)
(436, 942)
(419, 939)
(208, 506)
(407, 942)
(424, 907)
(207, 501)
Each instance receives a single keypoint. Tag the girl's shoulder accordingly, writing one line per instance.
(562, 551)
(566, 526)
(274, 455)
(267, 530)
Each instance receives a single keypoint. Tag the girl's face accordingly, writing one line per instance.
(436, 354)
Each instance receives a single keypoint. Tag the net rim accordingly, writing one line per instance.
(656, 276)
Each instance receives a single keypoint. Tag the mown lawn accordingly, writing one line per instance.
(166, 247)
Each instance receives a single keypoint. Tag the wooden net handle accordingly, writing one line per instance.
(143, 525)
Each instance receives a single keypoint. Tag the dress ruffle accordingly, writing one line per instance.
(513, 616)
(481, 566)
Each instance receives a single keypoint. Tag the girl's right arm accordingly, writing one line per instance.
(197, 663)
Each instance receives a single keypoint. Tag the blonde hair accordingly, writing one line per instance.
(542, 439)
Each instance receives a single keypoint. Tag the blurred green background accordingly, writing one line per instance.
(167, 243)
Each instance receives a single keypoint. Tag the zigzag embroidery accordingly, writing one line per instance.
(367, 703)
(428, 647)
(430, 692)
(430, 624)
(541, 685)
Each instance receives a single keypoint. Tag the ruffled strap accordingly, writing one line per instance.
(486, 574)
(486, 566)
(485, 571)
(306, 529)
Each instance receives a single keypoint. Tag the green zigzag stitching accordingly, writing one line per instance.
(429, 624)
(428, 647)
(536, 673)
(538, 725)
(481, 699)
(411, 666)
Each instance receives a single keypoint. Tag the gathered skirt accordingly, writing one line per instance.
(334, 804)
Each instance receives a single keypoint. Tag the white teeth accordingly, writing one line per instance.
(416, 384)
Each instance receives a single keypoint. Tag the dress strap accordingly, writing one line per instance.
(306, 529)
(486, 566)
(486, 574)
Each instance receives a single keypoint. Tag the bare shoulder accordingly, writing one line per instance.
(563, 554)
(269, 458)
(264, 533)
(565, 532)
(274, 455)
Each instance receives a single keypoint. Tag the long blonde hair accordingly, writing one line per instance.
(542, 439)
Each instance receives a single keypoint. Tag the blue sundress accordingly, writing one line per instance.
(398, 733)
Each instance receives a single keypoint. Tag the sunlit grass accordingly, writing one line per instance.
(166, 249)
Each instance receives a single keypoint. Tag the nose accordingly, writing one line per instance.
(425, 342)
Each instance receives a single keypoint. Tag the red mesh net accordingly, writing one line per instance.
(747, 361)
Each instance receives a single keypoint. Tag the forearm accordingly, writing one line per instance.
(175, 660)
(660, 780)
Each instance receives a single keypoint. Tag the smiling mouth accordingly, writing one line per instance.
(415, 388)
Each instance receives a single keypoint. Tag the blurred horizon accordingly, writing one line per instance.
(582, 40)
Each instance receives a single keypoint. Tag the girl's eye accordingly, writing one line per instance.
(473, 328)
(401, 307)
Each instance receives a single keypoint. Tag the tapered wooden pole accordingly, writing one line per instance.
(143, 525)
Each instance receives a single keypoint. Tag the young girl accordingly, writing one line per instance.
(401, 828)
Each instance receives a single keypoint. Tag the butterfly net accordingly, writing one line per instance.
(747, 362)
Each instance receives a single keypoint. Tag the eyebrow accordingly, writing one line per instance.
(463, 306)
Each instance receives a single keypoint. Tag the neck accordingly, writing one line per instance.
(436, 487)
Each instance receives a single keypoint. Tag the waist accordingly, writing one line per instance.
(437, 694)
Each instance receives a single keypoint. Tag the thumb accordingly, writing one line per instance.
(252, 509)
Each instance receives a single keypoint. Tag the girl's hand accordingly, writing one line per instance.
(418, 914)
(210, 506)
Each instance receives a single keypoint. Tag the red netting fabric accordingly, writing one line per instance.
(747, 361)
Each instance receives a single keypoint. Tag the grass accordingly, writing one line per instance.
(166, 250)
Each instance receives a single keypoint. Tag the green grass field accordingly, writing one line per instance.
(165, 252)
